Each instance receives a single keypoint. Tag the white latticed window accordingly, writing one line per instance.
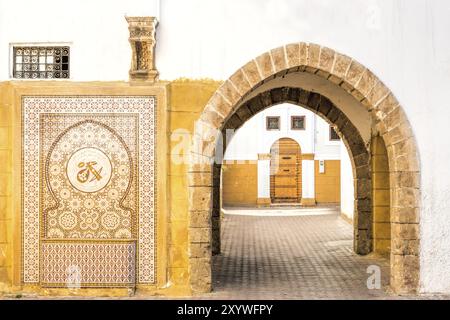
(41, 62)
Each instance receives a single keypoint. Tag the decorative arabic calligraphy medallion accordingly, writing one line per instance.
(89, 169)
(89, 190)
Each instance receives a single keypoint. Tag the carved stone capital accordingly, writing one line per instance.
(142, 41)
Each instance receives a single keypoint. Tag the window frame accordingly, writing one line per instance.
(331, 128)
(304, 122)
(13, 45)
(273, 117)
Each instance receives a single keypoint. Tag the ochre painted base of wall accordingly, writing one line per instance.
(381, 198)
(139, 291)
(263, 201)
(308, 202)
(328, 184)
(239, 183)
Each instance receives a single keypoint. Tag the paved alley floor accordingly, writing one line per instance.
(292, 253)
(287, 253)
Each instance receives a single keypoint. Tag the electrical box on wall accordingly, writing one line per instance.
(321, 166)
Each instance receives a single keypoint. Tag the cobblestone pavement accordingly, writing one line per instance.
(286, 253)
(300, 254)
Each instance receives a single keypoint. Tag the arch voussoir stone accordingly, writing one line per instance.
(325, 106)
(244, 113)
(212, 116)
(366, 84)
(313, 56)
(279, 59)
(279, 95)
(292, 55)
(222, 113)
(385, 106)
(255, 105)
(326, 60)
(341, 66)
(220, 104)
(240, 82)
(378, 92)
(265, 65)
(233, 122)
(251, 73)
(354, 74)
(229, 92)
(293, 95)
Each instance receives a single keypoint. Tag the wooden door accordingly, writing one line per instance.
(285, 171)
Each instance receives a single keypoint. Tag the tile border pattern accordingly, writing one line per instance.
(145, 106)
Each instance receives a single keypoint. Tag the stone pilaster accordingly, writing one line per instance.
(142, 41)
(263, 181)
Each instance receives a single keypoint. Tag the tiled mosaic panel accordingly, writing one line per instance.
(70, 110)
(88, 265)
(71, 212)
(41, 62)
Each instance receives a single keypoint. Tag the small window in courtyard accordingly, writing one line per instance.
(333, 135)
(41, 62)
(273, 123)
(298, 123)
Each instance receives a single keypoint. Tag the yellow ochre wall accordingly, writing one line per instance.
(188, 98)
(6, 145)
(381, 198)
(179, 103)
(328, 184)
(239, 183)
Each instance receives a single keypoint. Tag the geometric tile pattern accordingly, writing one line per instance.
(78, 263)
(88, 179)
(89, 174)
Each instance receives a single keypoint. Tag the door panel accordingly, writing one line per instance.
(285, 171)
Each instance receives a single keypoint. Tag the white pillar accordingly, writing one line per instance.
(263, 180)
(308, 188)
(347, 186)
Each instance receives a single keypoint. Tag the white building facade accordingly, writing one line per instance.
(317, 142)
(404, 42)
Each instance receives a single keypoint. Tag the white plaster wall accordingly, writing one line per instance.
(325, 148)
(308, 177)
(95, 29)
(347, 186)
(253, 138)
(404, 42)
(263, 178)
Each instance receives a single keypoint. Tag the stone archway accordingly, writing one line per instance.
(359, 153)
(225, 109)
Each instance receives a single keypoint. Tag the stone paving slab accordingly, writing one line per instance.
(265, 256)
(288, 254)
